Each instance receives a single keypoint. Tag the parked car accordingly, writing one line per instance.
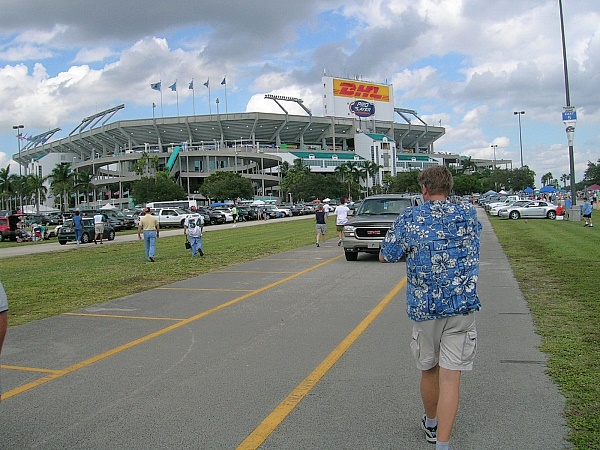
(170, 217)
(8, 226)
(226, 211)
(493, 211)
(531, 210)
(214, 217)
(119, 220)
(67, 233)
(247, 213)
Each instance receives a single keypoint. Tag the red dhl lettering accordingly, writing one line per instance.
(361, 90)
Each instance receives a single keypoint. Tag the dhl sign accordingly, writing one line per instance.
(358, 89)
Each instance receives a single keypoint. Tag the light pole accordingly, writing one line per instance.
(520, 113)
(494, 146)
(18, 128)
(570, 130)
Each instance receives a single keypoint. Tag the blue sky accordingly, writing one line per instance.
(465, 64)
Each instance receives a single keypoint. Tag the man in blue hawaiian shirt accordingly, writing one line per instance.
(440, 241)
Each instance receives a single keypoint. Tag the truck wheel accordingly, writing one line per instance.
(350, 256)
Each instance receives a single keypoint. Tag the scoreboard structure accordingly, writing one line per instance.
(357, 99)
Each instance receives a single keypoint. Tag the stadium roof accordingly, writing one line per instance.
(96, 138)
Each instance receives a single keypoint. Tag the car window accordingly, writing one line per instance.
(384, 206)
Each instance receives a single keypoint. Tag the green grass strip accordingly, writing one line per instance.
(556, 265)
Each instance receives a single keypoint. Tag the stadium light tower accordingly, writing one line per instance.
(520, 113)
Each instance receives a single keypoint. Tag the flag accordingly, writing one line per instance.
(191, 86)
(223, 82)
(155, 86)
(206, 84)
(23, 137)
(153, 105)
(173, 87)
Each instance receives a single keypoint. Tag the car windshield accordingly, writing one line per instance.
(384, 206)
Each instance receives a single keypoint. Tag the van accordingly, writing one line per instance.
(8, 226)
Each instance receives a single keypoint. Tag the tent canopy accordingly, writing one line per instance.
(528, 190)
(257, 203)
(108, 206)
(547, 190)
(217, 204)
(490, 192)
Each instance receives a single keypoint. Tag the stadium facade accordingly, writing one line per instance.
(359, 125)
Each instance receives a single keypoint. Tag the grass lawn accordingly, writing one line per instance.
(556, 264)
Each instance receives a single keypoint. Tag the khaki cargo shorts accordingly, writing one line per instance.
(449, 342)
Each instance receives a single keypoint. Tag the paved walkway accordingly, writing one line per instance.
(300, 350)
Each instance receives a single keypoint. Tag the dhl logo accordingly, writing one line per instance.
(356, 89)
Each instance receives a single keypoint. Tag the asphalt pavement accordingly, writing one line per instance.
(299, 350)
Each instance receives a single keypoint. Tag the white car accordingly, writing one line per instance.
(227, 212)
(286, 211)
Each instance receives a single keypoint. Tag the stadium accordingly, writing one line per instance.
(358, 125)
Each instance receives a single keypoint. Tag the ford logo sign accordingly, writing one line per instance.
(362, 108)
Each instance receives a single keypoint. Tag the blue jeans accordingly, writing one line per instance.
(150, 243)
(78, 234)
(196, 243)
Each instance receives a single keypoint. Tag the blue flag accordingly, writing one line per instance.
(206, 84)
(223, 82)
(173, 87)
(191, 86)
(155, 86)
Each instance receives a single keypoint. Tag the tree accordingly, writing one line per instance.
(592, 173)
(372, 170)
(5, 187)
(547, 179)
(83, 184)
(404, 182)
(153, 189)
(564, 178)
(227, 186)
(36, 189)
(466, 184)
(61, 183)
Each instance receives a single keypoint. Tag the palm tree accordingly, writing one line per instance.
(61, 183)
(83, 183)
(36, 189)
(547, 178)
(5, 188)
(372, 170)
(564, 178)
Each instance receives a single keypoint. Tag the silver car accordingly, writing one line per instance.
(531, 210)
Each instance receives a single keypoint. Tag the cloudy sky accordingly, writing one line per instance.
(467, 65)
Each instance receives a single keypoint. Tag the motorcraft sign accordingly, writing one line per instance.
(362, 108)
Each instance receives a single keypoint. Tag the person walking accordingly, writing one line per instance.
(341, 219)
(234, 213)
(321, 219)
(587, 213)
(193, 226)
(78, 227)
(441, 242)
(149, 225)
(99, 219)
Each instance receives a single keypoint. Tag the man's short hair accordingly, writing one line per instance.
(193, 208)
(438, 180)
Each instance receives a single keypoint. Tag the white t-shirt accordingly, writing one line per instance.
(326, 208)
(193, 223)
(98, 218)
(341, 213)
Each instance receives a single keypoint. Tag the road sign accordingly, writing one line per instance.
(569, 114)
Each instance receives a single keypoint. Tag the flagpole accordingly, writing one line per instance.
(161, 102)
(209, 105)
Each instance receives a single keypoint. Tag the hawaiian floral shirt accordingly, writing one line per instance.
(440, 240)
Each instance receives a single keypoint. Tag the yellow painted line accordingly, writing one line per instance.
(253, 271)
(114, 316)
(184, 322)
(277, 416)
(203, 289)
(29, 369)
